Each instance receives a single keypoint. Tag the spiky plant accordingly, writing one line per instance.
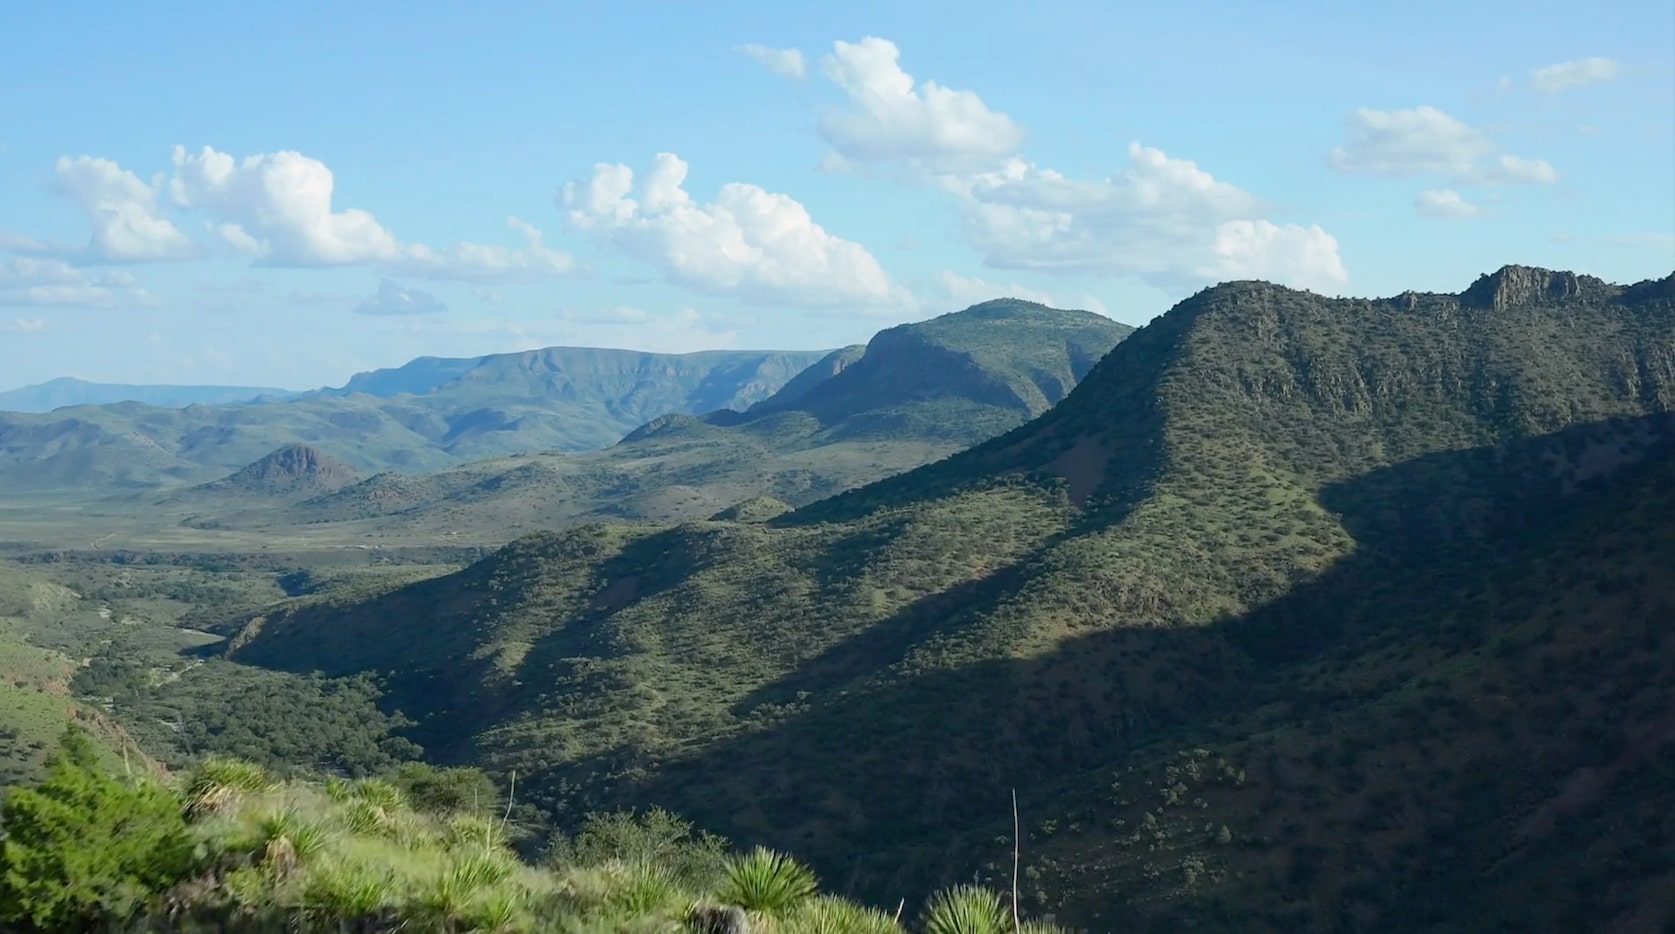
(219, 783)
(338, 789)
(495, 910)
(966, 909)
(467, 830)
(287, 840)
(368, 819)
(382, 793)
(767, 882)
(638, 888)
(478, 871)
(443, 901)
(340, 894)
(828, 914)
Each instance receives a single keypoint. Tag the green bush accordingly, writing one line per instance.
(86, 849)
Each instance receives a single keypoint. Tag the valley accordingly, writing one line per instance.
(1280, 613)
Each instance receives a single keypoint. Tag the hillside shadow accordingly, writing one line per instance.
(900, 787)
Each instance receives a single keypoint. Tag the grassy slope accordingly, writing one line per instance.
(36, 703)
(1123, 570)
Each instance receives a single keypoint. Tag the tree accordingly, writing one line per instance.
(86, 848)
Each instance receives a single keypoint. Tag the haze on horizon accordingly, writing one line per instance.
(253, 196)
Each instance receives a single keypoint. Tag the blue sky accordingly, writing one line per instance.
(284, 194)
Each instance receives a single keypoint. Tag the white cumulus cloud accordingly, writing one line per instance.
(1444, 202)
(1426, 141)
(1161, 220)
(123, 211)
(392, 298)
(277, 208)
(749, 243)
(1574, 74)
(787, 63)
(888, 119)
(128, 226)
(25, 326)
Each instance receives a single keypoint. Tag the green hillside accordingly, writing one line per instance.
(36, 702)
(915, 393)
(558, 399)
(1306, 536)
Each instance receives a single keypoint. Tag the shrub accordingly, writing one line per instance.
(85, 848)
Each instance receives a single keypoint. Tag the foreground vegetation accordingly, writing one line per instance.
(230, 848)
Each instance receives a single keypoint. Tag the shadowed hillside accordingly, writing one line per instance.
(1262, 509)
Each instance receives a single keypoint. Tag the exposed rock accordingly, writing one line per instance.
(1522, 285)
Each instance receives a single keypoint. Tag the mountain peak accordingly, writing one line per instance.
(294, 465)
(1521, 285)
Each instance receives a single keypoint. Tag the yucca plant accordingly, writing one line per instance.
(338, 789)
(442, 903)
(828, 914)
(368, 819)
(466, 830)
(494, 911)
(287, 840)
(767, 882)
(346, 893)
(219, 783)
(639, 888)
(966, 909)
(382, 793)
(480, 870)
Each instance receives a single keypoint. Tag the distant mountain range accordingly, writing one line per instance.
(69, 391)
(913, 394)
(428, 415)
(1295, 614)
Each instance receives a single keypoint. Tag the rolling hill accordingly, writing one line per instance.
(1295, 614)
(558, 399)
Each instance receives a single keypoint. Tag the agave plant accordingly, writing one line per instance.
(767, 882)
(966, 909)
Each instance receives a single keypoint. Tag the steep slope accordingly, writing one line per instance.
(565, 399)
(68, 391)
(1261, 509)
(915, 393)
